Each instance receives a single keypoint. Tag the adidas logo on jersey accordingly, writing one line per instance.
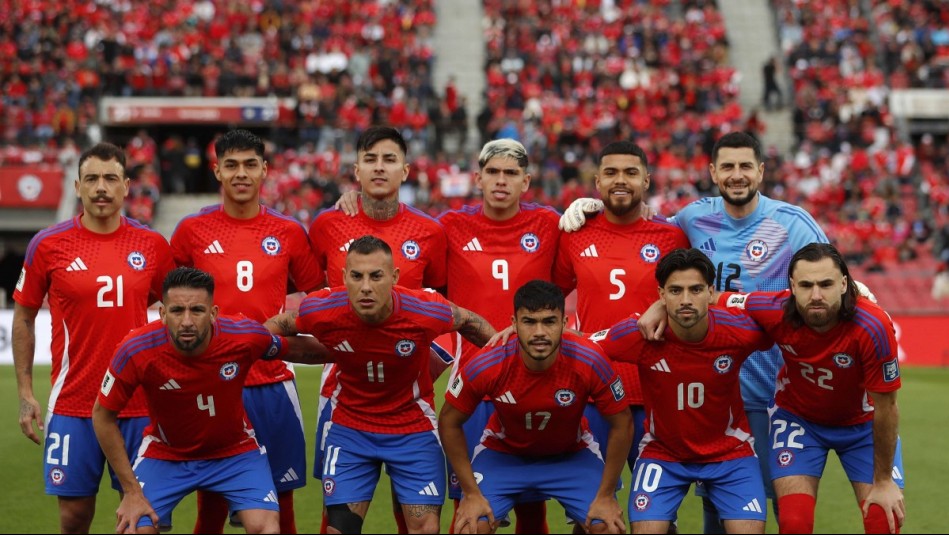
(291, 475)
(708, 246)
(429, 490)
(271, 497)
(753, 506)
(344, 347)
(788, 348)
(507, 397)
(77, 265)
(345, 247)
(661, 366)
(473, 245)
(214, 248)
(590, 252)
(170, 385)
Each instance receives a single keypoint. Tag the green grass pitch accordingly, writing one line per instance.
(924, 408)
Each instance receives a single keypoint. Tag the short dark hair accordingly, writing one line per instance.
(238, 139)
(737, 140)
(623, 147)
(683, 259)
(188, 277)
(105, 152)
(369, 244)
(815, 252)
(539, 295)
(375, 134)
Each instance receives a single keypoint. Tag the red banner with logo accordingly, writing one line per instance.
(30, 187)
(920, 341)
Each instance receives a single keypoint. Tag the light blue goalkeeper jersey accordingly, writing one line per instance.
(749, 254)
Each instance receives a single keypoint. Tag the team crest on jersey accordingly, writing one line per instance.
(641, 501)
(57, 476)
(785, 458)
(618, 391)
(530, 242)
(229, 371)
(649, 253)
(404, 348)
(271, 245)
(565, 397)
(723, 364)
(891, 371)
(411, 250)
(756, 250)
(329, 486)
(136, 260)
(843, 360)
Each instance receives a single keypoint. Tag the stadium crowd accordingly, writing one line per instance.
(561, 77)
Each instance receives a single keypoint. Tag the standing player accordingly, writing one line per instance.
(494, 248)
(252, 251)
(417, 239)
(384, 401)
(697, 429)
(538, 383)
(750, 239)
(199, 436)
(98, 269)
(612, 261)
(837, 390)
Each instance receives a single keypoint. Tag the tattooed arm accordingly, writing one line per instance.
(283, 324)
(473, 327)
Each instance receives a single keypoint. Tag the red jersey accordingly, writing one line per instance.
(613, 268)
(694, 411)
(538, 414)
(832, 369)
(99, 288)
(195, 402)
(417, 242)
(382, 383)
(489, 260)
(251, 261)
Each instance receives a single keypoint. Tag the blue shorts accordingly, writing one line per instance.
(325, 409)
(572, 479)
(799, 448)
(473, 428)
(734, 487)
(759, 422)
(601, 430)
(274, 410)
(415, 463)
(72, 460)
(243, 480)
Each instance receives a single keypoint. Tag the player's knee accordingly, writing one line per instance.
(797, 513)
(75, 514)
(343, 520)
(875, 521)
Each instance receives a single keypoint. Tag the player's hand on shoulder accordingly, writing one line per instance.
(348, 203)
(575, 216)
(501, 337)
(652, 324)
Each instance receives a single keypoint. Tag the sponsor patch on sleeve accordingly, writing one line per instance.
(107, 383)
(618, 391)
(22, 280)
(456, 385)
(274, 348)
(891, 371)
(599, 335)
(736, 301)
